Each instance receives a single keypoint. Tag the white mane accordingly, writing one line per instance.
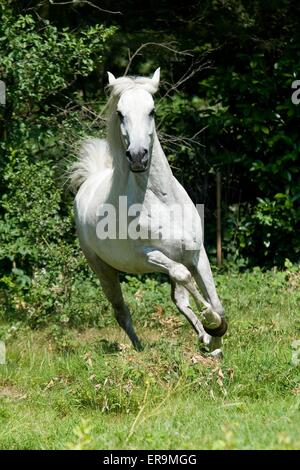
(93, 157)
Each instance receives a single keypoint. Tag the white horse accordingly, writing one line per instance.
(131, 163)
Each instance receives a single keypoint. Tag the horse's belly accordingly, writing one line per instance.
(131, 255)
(122, 256)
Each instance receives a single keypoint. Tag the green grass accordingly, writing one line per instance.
(90, 389)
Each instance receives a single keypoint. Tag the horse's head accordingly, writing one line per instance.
(135, 111)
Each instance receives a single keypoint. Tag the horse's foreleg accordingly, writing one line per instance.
(212, 321)
(109, 280)
(204, 279)
(180, 297)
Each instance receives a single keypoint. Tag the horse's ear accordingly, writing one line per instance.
(156, 77)
(111, 78)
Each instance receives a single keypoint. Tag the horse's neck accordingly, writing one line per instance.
(160, 174)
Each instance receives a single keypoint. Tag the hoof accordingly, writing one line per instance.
(217, 354)
(138, 346)
(209, 344)
(219, 331)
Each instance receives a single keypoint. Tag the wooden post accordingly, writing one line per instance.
(219, 234)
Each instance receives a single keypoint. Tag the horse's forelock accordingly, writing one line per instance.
(122, 84)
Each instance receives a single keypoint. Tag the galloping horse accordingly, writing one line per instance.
(130, 165)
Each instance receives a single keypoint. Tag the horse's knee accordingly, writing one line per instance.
(180, 274)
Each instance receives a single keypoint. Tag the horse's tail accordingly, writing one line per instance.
(93, 157)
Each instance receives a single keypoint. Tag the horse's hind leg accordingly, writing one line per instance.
(109, 280)
(180, 297)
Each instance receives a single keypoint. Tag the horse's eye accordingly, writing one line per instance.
(151, 114)
(121, 117)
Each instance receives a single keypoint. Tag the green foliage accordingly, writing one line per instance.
(273, 221)
(47, 60)
(42, 269)
(83, 436)
(253, 137)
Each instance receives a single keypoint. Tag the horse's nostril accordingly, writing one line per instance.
(128, 155)
(144, 154)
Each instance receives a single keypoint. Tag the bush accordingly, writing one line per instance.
(40, 261)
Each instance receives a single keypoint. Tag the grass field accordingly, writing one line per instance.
(89, 389)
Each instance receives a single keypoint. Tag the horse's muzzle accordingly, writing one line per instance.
(138, 161)
(138, 168)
